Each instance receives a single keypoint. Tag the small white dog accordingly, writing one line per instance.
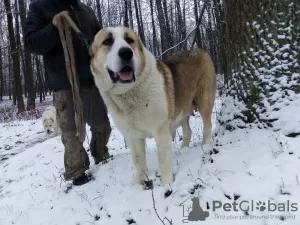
(49, 122)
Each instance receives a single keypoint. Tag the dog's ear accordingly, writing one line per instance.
(92, 49)
(140, 44)
(52, 120)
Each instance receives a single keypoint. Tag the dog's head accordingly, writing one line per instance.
(117, 59)
(49, 125)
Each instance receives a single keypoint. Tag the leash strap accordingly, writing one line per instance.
(64, 26)
(80, 35)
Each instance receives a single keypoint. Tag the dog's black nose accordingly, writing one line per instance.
(125, 53)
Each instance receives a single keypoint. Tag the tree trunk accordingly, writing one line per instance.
(262, 49)
(154, 39)
(181, 25)
(197, 31)
(108, 10)
(46, 77)
(99, 13)
(10, 79)
(15, 58)
(130, 14)
(28, 75)
(139, 22)
(167, 25)
(39, 77)
(141, 19)
(126, 19)
(163, 30)
(1, 76)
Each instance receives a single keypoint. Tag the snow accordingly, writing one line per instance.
(251, 165)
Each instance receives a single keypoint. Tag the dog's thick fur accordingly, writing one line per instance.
(159, 98)
(50, 125)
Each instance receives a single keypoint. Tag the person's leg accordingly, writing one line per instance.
(76, 160)
(100, 127)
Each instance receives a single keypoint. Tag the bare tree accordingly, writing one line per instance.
(15, 58)
(99, 13)
(139, 22)
(126, 19)
(1, 76)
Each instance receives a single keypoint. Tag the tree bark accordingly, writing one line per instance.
(99, 13)
(262, 51)
(197, 31)
(154, 38)
(15, 58)
(181, 25)
(139, 22)
(167, 25)
(163, 30)
(126, 19)
(130, 14)
(10, 79)
(141, 19)
(39, 77)
(1, 76)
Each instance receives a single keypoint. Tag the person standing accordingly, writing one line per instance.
(42, 38)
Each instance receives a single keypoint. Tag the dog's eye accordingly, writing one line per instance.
(129, 40)
(108, 41)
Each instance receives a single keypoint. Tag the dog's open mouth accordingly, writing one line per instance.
(126, 75)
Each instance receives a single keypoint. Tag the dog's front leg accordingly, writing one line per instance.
(138, 153)
(164, 149)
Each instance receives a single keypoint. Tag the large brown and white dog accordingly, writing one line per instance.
(149, 98)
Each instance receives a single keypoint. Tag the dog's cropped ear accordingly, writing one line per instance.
(93, 48)
(141, 45)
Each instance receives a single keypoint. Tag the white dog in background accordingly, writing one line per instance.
(49, 122)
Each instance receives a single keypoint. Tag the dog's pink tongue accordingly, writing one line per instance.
(126, 75)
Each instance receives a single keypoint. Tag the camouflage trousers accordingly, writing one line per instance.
(76, 160)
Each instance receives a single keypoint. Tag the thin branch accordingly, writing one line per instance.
(197, 25)
(154, 206)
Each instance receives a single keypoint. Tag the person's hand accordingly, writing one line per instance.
(56, 18)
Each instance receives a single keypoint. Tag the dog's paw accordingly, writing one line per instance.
(184, 145)
(139, 179)
(207, 159)
(166, 180)
(207, 149)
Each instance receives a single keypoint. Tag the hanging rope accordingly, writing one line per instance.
(64, 26)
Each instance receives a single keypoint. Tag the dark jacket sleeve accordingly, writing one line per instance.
(40, 37)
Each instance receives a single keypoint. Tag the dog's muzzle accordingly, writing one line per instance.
(124, 76)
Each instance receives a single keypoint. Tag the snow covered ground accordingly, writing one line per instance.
(249, 165)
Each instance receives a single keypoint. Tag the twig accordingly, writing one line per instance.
(282, 182)
(170, 221)
(199, 21)
(30, 195)
(88, 212)
(195, 180)
(197, 25)
(154, 206)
